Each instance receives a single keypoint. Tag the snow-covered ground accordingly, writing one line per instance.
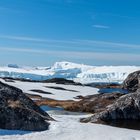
(56, 94)
(77, 72)
(67, 125)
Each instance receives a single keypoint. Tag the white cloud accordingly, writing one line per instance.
(23, 38)
(107, 43)
(75, 42)
(100, 26)
(99, 56)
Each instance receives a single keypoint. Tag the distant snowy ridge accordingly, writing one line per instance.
(106, 74)
(77, 72)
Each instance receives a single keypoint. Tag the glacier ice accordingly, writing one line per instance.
(78, 72)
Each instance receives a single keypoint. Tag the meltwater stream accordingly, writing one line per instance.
(113, 90)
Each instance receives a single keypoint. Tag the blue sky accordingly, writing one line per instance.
(95, 32)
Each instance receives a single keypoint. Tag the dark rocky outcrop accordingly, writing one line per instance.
(60, 88)
(61, 81)
(19, 112)
(132, 82)
(126, 107)
(41, 91)
(53, 80)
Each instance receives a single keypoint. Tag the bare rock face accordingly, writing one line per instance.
(18, 112)
(126, 107)
(132, 82)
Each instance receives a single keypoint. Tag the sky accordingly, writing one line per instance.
(93, 32)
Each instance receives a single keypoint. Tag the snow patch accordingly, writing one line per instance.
(68, 127)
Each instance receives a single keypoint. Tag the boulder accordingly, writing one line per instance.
(132, 82)
(127, 107)
(18, 112)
